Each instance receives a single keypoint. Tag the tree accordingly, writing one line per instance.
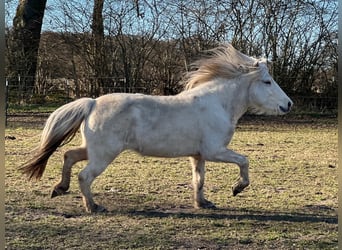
(145, 45)
(27, 26)
(99, 55)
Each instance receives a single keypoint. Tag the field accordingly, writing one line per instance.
(290, 204)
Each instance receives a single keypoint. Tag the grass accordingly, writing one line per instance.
(290, 204)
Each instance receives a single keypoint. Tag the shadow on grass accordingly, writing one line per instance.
(245, 214)
(152, 229)
(216, 214)
(309, 214)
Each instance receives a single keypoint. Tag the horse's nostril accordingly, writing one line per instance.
(289, 104)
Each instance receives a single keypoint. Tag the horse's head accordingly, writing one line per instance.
(265, 95)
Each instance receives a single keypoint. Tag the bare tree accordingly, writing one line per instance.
(99, 55)
(295, 35)
(147, 44)
(133, 40)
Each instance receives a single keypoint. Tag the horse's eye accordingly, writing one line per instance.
(267, 82)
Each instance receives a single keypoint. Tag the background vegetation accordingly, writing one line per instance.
(93, 47)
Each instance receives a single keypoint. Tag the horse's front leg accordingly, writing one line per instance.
(198, 173)
(229, 156)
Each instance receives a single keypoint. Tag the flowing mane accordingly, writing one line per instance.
(224, 61)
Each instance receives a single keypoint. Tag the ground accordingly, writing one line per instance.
(290, 204)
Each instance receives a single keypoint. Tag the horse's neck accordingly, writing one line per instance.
(234, 98)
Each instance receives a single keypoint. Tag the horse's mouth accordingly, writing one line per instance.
(284, 110)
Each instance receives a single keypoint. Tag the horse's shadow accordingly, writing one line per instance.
(310, 216)
(308, 213)
(305, 213)
(240, 215)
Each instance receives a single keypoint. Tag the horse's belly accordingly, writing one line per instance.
(172, 146)
(166, 152)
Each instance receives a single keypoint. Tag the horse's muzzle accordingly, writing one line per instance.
(287, 109)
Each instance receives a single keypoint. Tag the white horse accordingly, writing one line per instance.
(199, 123)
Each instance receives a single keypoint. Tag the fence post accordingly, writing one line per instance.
(6, 100)
(68, 94)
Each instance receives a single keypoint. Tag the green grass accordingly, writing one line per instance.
(32, 108)
(290, 204)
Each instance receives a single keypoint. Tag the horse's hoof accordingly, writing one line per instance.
(235, 191)
(101, 210)
(98, 209)
(58, 192)
(54, 194)
(206, 205)
(210, 206)
(239, 187)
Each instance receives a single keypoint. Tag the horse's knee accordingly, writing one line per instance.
(82, 177)
(244, 162)
(87, 176)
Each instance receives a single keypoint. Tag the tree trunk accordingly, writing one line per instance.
(98, 43)
(27, 25)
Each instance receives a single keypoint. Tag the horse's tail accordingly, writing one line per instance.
(60, 127)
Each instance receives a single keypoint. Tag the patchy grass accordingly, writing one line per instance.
(290, 204)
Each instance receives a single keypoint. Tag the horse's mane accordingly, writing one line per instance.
(224, 61)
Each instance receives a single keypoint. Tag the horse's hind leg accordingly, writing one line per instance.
(70, 158)
(198, 173)
(98, 162)
(86, 178)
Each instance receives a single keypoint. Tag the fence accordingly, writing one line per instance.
(63, 91)
(321, 104)
(52, 89)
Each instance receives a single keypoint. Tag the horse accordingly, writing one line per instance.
(198, 123)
